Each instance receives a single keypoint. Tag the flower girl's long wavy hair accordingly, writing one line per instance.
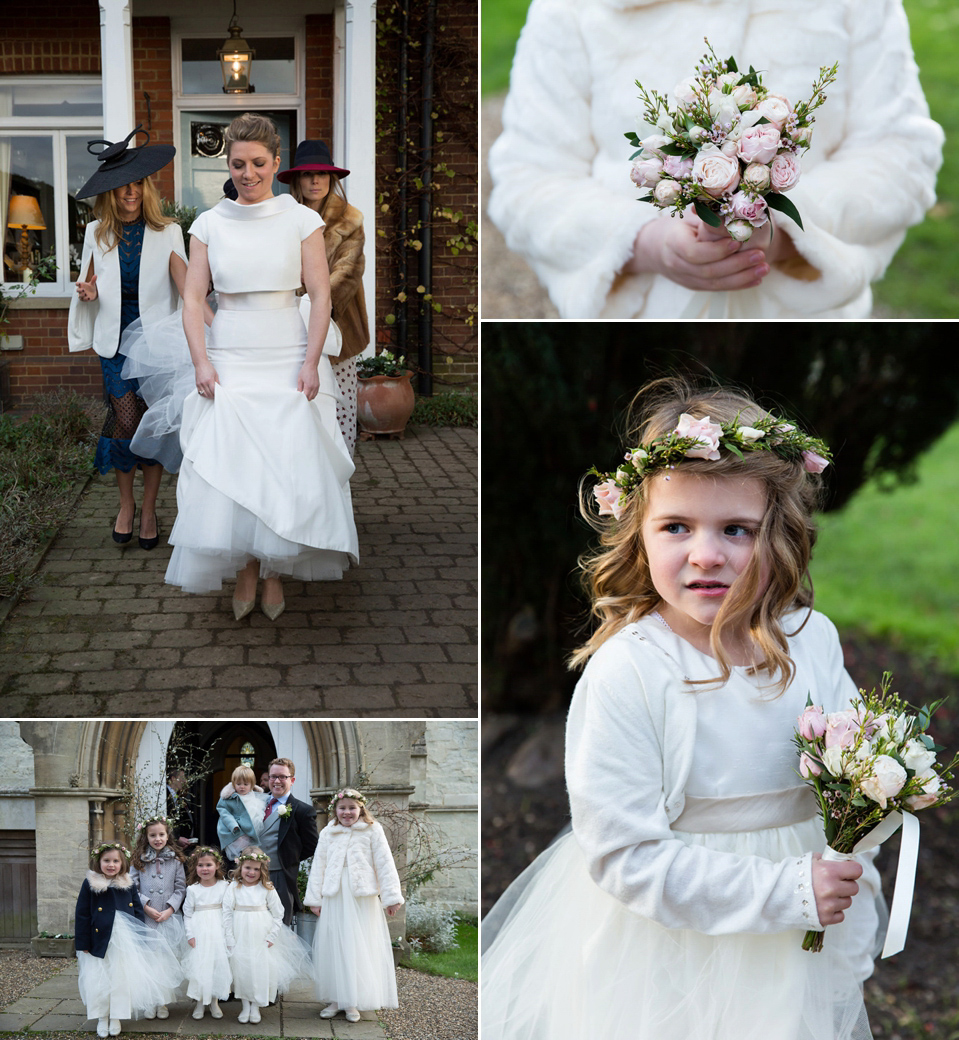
(617, 576)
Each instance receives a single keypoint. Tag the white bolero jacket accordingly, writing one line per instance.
(562, 194)
(364, 850)
(96, 323)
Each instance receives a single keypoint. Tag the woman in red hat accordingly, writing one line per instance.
(315, 182)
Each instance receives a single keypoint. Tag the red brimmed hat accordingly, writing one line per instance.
(311, 157)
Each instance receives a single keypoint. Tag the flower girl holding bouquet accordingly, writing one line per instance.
(353, 879)
(206, 963)
(676, 907)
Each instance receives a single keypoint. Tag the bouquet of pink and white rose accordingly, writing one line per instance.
(729, 148)
(866, 763)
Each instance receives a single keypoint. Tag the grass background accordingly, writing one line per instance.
(459, 963)
(921, 282)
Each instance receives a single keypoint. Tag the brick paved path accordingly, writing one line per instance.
(396, 637)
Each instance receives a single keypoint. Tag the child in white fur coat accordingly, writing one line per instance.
(563, 197)
(352, 880)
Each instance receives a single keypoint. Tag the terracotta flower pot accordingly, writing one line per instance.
(384, 404)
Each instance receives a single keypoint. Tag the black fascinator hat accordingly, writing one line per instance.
(120, 165)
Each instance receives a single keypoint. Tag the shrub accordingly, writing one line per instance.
(430, 928)
(452, 408)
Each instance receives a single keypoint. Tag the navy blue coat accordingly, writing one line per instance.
(99, 902)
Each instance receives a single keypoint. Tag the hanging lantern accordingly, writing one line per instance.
(236, 58)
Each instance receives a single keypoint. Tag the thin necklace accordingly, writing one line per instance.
(659, 617)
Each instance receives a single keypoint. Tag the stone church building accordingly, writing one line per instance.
(67, 786)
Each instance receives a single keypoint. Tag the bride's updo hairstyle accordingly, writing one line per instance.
(255, 128)
(617, 576)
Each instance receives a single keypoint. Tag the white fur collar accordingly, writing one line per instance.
(338, 828)
(229, 791)
(99, 883)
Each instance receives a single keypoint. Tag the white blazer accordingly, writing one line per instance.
(96, 323)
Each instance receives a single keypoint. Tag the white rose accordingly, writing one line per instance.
(749, 435)
(886, 781)
(729, 147)
(683, 91)
(775, 108)
(723, 108)
(756, 177)
(740, 230)
(930, 781)
(654, 143)
(667, 192)
(832, 757)
(917, 756)
(715, 172)
(744, 95)
(697, 134)
(727, 79)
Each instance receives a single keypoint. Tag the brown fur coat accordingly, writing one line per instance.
(344, 239)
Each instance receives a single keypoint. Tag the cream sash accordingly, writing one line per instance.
(748, 812)
(210, 906)
(251, 909)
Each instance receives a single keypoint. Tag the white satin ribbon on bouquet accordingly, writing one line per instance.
(905, 872)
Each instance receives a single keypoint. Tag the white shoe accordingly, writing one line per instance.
(244, 1015)
(215, 1011)
(199, 1009)
(329, 1011)
(352, 1015)
(103, 1027)
(152, 1013)
(114, 1027)
(254, 1013)
(162, 1011)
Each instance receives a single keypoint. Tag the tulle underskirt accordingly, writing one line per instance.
(207, 965)
(352, 953)
(570, 962)
(265, 472)
(138, 973)
(259, 971)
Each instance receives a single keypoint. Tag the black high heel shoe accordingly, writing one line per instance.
(150, 543)
(122, 539)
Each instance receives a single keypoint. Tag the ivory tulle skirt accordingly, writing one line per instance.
(352, 953)
(569, 962)
(261, 971)
(265, 472)
(207, 965)
(138, 973)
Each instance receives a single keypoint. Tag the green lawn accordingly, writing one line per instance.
(887, 564)
(461, 963)
(921, 281)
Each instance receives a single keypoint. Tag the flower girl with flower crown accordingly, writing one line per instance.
(676, 906)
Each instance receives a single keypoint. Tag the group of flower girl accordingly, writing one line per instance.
(136, 955)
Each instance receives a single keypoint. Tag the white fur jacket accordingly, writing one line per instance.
(562, 194)
(363, 848)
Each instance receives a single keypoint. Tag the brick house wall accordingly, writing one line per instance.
(65, 38)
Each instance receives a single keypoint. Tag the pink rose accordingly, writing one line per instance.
(759, 143)
(812, 723)
(751, 208)
(841, 729)
(706, 432)
(608, 495)
(673, 166)
(887, 780)
(808, 766)
(667, 192)
(784, 172)
(775, 108)
(921, 801)
(813, 463)
(646, 172)
(715, 172)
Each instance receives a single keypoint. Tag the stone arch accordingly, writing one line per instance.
(335, 754)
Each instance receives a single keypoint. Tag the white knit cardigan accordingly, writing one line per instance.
(363, 848)
(562, 194)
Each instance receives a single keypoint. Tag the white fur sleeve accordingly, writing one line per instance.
(879, 181)
(385, 867)
(615, 774)
(314, 886)
(573, 231)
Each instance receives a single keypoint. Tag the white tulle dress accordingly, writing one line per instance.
(206, 965)
(138, 973)
(253, 917)
(265, 472)
(676, 906)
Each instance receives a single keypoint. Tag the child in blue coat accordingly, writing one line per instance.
(240, 808)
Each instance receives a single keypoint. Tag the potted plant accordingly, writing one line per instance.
(47, 945)
(10, 291)
(305, 921)
(384, 400)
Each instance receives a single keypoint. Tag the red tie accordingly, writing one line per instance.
(269, 808)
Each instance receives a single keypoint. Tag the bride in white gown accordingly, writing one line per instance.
(263, 489)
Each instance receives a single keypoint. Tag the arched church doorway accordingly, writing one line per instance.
(228, 744)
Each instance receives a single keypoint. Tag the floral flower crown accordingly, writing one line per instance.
(255, 857)
(702, 439)
(346, 792)
(157, 819)
(107, 846)
(206, 850)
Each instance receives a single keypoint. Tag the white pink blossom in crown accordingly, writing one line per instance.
(694, 438)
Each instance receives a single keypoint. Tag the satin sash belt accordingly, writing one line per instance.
(211, 906)
(252, 909)
(748, 812)
(256, 301)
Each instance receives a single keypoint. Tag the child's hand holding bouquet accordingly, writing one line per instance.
(729, 148)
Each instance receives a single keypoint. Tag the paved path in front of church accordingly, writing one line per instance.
(55, 1007)
(397, 637)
